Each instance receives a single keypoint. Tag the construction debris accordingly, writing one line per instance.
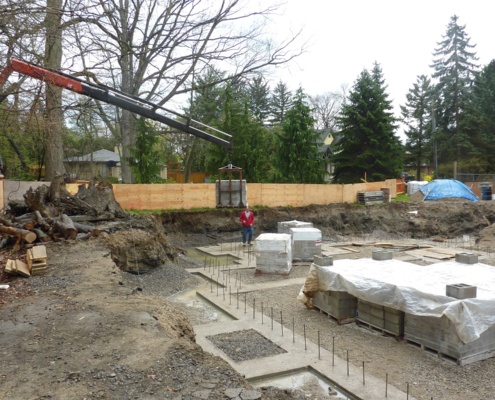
(35, 263)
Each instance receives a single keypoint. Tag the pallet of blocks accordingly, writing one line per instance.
(36, 260)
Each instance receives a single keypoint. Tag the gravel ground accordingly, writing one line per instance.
(245, 345)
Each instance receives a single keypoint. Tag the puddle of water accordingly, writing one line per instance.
(206, 310)
(306, 381)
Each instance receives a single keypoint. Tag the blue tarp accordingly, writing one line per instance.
(443, 188)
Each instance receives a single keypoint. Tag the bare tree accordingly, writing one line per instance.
(325, 109)
(152, 48)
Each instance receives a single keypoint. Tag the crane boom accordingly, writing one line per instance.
(117, 98)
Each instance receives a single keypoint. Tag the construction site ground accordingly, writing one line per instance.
(187, 329)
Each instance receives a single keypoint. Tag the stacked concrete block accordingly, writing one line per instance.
(306, 243)
(340, 305)
(228, 193)
(384, 318)
(273, 253)
(440, 335)
(285, 226)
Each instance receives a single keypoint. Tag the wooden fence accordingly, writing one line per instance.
(174, 196)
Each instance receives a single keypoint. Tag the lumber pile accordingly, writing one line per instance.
(35, 263)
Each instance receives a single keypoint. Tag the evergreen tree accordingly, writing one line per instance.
(417, 115)
(259, 93)
(454, 69)
(298, 159)
(280, 103)
(479, 121)
(368, 148)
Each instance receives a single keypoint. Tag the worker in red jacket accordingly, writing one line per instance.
(247, 219)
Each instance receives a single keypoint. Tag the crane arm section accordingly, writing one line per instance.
(117, 98)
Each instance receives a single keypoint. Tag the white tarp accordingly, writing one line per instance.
(414, 289)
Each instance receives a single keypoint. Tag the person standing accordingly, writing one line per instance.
(247, 219)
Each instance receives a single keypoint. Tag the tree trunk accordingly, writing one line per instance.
(53, 115)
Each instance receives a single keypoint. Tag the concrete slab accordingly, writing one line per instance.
(299, 355)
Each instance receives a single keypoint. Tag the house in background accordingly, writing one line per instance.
(102, 164)
(325, 147)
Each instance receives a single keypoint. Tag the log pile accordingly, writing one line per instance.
(55, 214)
(33, 228)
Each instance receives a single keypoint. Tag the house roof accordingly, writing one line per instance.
(97, 156)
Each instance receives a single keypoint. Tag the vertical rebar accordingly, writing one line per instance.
(230, 295)
(217, 287)
(305, 346)
(223, 288)
(254, 308)
(237, 298)
(386, 384)
(333, 351)
(245, 302)
(407, 390)
(211, 284)
(281, 323)
(262, 313)
(293, 333)
(364, 382)
(318, 345)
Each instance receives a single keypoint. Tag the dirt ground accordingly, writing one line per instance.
(102, 323)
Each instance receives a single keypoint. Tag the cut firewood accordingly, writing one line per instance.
(42, 236)
(66, 227)
(20, 234)
(82, 228)
(40, 221)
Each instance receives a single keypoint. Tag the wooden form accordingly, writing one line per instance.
(197, 195)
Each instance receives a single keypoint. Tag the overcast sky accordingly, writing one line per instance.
(345, 37)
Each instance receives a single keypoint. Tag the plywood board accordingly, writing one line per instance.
(331, 251)
(430, 254)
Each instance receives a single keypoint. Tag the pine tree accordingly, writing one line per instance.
(454, 69)
(280, 103)
(368, 148)
(417, 116)
(259, 93)
(479, 122)
(298, 159)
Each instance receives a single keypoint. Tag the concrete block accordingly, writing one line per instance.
(466, 258)
(323, 261)
(461, 291)
(285, 226)
(228, 193)
(273, 253)
(382, 255)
